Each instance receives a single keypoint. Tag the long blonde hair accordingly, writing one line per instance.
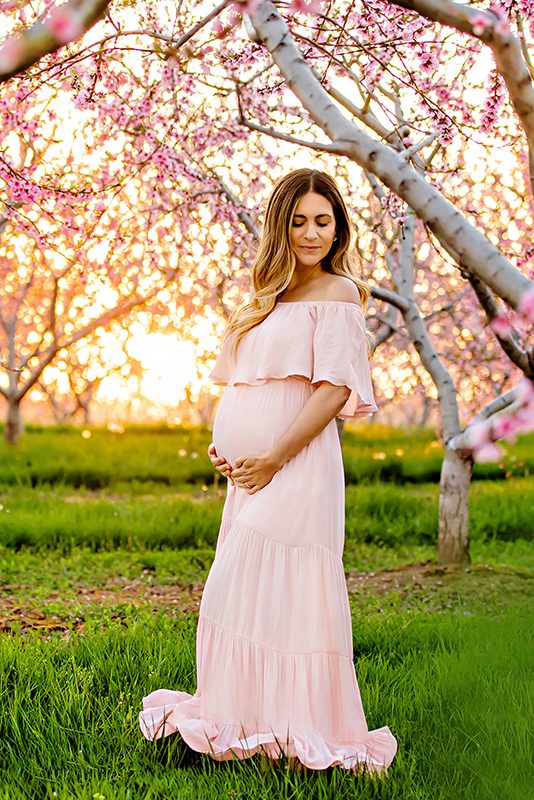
(275, 261)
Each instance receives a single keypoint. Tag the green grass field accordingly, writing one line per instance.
(104, 545)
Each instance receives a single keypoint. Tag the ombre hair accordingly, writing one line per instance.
(275, 260)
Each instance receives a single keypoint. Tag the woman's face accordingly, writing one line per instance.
(312, 230)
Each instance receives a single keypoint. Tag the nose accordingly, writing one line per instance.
(310, 232)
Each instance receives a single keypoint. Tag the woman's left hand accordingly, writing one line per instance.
(254, 471)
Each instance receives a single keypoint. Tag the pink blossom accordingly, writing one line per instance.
(498, 10)
(502, 27)
(247, 6)
(501, 325)
(9, 55)
(525, 390)
(480, 23)
(526, 305)
(82, 98)
(505, 427)
(478, 434)
(525, 418)
(487, 453)
(446, 135)
(307, 6)
(65, 24)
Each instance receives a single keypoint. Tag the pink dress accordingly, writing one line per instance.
(275, 667)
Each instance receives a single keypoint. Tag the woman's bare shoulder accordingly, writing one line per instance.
(342, 289)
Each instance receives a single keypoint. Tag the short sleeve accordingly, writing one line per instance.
(222, 369)
(340, 356)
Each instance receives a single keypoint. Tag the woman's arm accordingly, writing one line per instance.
(325, 403)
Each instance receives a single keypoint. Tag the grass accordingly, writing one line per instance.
(175, 457)
(453, 689)
(384, 514)
(444, 662)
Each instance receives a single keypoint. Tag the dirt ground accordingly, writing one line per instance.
(423, 584)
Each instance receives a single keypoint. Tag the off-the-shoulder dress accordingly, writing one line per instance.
(275, 669)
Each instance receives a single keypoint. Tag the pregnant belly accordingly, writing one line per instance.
(252, 419)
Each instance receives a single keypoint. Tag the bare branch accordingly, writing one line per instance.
(101, 321)
(406, 154)
(285, 137)
(391, 297)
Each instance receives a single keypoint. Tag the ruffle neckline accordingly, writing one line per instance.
(300, 302)
(330, 346)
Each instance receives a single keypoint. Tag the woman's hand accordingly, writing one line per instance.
(220, 463)
(254, 471)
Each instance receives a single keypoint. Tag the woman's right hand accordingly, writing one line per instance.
(220, 463)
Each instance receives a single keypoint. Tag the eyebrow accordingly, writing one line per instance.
(316, 216)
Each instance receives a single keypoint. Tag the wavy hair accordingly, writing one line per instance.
(275, 261)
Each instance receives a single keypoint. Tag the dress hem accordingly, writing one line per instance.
(226, 741)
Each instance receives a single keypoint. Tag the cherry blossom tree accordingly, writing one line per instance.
(395, 164)
(72, 381)
(103, 219)
(382, 92)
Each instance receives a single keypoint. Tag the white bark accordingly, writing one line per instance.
(38, 40)
(453, 540)
(475, 253)
(453, 529)
(13, 421)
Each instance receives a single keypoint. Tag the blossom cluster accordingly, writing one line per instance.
(482, 437)
(495, 100)
(502, 324)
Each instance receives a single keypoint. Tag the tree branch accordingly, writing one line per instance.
(39, 39)
(101, 321)
(508, 401)
(475, 253)
(521, 358)
(506, 48)
(391, 297)
(286, 137)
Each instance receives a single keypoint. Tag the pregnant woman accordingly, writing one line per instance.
(275, 671)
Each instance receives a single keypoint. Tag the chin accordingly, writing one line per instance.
(309, 260)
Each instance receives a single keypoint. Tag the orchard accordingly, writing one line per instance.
(174, 122)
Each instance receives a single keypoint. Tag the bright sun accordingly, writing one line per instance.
(168, 367)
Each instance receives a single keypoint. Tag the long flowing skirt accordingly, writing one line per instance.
(275, 669)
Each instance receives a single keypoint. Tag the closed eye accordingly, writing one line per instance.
(319, 224)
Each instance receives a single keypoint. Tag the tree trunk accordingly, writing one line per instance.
(13, 422)
(453, 540)
(425, 414)
(340, 423)
(86, 412)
